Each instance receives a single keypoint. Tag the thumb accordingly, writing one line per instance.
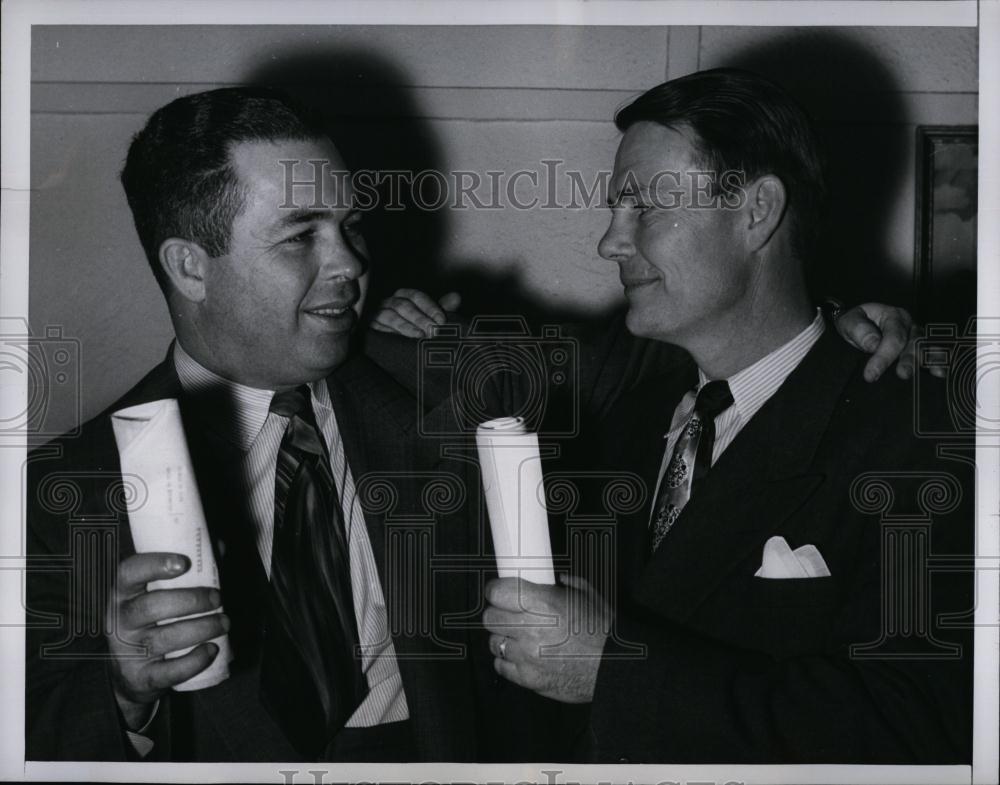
(450, 301)
(576, 582)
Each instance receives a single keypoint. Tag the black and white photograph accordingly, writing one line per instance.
(557, 392)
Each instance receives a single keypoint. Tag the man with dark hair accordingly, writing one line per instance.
(178, 176)
(745, 127)
(334, 660)
(764, 615)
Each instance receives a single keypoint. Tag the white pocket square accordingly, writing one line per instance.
(780, 561)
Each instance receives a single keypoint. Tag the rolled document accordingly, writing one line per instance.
(169, 516)
(515, 498)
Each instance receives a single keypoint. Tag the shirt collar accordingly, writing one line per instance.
(236, 412)
(754, 385)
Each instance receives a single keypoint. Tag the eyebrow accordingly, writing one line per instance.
(635, 193)
(304, 216)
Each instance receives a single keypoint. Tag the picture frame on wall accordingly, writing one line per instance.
(946, 222)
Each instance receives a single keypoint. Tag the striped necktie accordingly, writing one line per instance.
(311, 679)
(691, 459)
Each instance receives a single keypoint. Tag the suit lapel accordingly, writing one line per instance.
(376, 418)
(373, 416)
(159, 383)
(761, 479)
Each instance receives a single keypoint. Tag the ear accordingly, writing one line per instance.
(184, 263)
(766, 203)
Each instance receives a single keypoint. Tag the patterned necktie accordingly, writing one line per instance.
(691, 459)
(311, 679)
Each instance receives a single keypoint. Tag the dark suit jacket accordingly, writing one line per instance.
(743, 669)
(607, 361)
(77, 533)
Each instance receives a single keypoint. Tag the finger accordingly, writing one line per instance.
(907, 361)
(508, 670)
(858, 330)
(515, 594)
(592, 596)
(412, 313)
(423, 301)
(141, 568)
(388, 321)
(505, 623)
(155, 606)
(576, 582)
(511, 651)
(178, 635)
(523, 674)
(164, 674)
(450, 301)
(500, 590)
(895, 332)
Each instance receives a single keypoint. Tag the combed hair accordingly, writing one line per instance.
(178, 177)
(746, 123)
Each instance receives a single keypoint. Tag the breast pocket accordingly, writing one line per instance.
(792, 592)
(792, 617)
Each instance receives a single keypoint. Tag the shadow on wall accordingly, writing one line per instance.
(374, 121)
(370, 114)
(838, 81)
(371, 117)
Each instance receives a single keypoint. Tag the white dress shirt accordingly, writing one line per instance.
(751, 388)
(257, 434)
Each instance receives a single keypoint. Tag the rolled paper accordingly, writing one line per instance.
(165, 513)
(511, 468)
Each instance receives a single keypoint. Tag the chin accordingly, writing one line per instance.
(638, 325)
(330, 355)
(642, 326)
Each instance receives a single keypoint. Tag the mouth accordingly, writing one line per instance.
(338, 315)
(329, 310)
(634, 284)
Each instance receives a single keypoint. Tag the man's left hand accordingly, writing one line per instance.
(414, 313)
(887, 333)
(551, 637)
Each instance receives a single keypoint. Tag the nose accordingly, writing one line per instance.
(617, 245)
(339, 258)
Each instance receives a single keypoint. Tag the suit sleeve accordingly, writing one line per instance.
(607, 362)
(71, 712)
(70, 709)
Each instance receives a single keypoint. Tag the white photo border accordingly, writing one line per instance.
(18, 18)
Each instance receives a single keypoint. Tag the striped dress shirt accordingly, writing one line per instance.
(256, 434)
(751, 388)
